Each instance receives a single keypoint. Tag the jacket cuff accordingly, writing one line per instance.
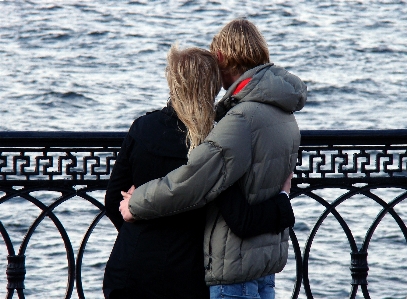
(135, 217)
(283, 192)
(287, 218)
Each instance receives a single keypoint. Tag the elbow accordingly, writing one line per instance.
(240, 231)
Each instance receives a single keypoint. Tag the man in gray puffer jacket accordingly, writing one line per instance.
(255, 142)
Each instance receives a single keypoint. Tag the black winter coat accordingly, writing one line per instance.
(160, 258)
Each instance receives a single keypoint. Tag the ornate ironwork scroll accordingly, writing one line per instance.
(57, 158)
(76, 163)
(356, 162)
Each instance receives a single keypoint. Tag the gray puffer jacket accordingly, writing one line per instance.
(256, 141)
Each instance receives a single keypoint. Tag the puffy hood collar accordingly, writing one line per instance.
(271, 85)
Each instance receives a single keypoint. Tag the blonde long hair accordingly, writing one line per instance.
(242, 46)
(194, 81)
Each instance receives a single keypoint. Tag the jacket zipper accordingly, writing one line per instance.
(208, 266)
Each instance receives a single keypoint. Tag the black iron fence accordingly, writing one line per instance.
(76, 163)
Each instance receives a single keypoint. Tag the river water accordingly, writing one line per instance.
(96, 65)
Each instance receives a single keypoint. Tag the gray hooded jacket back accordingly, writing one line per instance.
(256, 141)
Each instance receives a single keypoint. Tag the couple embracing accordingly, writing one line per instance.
(209, 214)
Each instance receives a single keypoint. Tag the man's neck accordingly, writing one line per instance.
(228, 79)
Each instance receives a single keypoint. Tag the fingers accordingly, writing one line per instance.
(125, 195)
(127, 216)
(124, 205)
(132, 188)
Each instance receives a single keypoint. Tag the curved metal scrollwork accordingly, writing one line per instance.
(16, 262)
(358, 263)
(74, 164)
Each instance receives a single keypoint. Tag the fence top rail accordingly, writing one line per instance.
(353, 137)
(61, 138)
(115, 138)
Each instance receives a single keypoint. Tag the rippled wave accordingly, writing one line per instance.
(352, 55)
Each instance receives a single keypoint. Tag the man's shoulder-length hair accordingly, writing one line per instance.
(241, 45)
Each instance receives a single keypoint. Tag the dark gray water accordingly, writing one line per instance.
(96, 65)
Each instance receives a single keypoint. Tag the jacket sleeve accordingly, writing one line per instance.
(245, 220)
(217, 163)
(120, 180)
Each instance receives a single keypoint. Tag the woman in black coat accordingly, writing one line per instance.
(163, 258)
(160, 258)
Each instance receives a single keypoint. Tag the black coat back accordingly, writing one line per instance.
(160, 258)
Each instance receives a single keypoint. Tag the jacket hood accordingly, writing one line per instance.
(271, 85)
